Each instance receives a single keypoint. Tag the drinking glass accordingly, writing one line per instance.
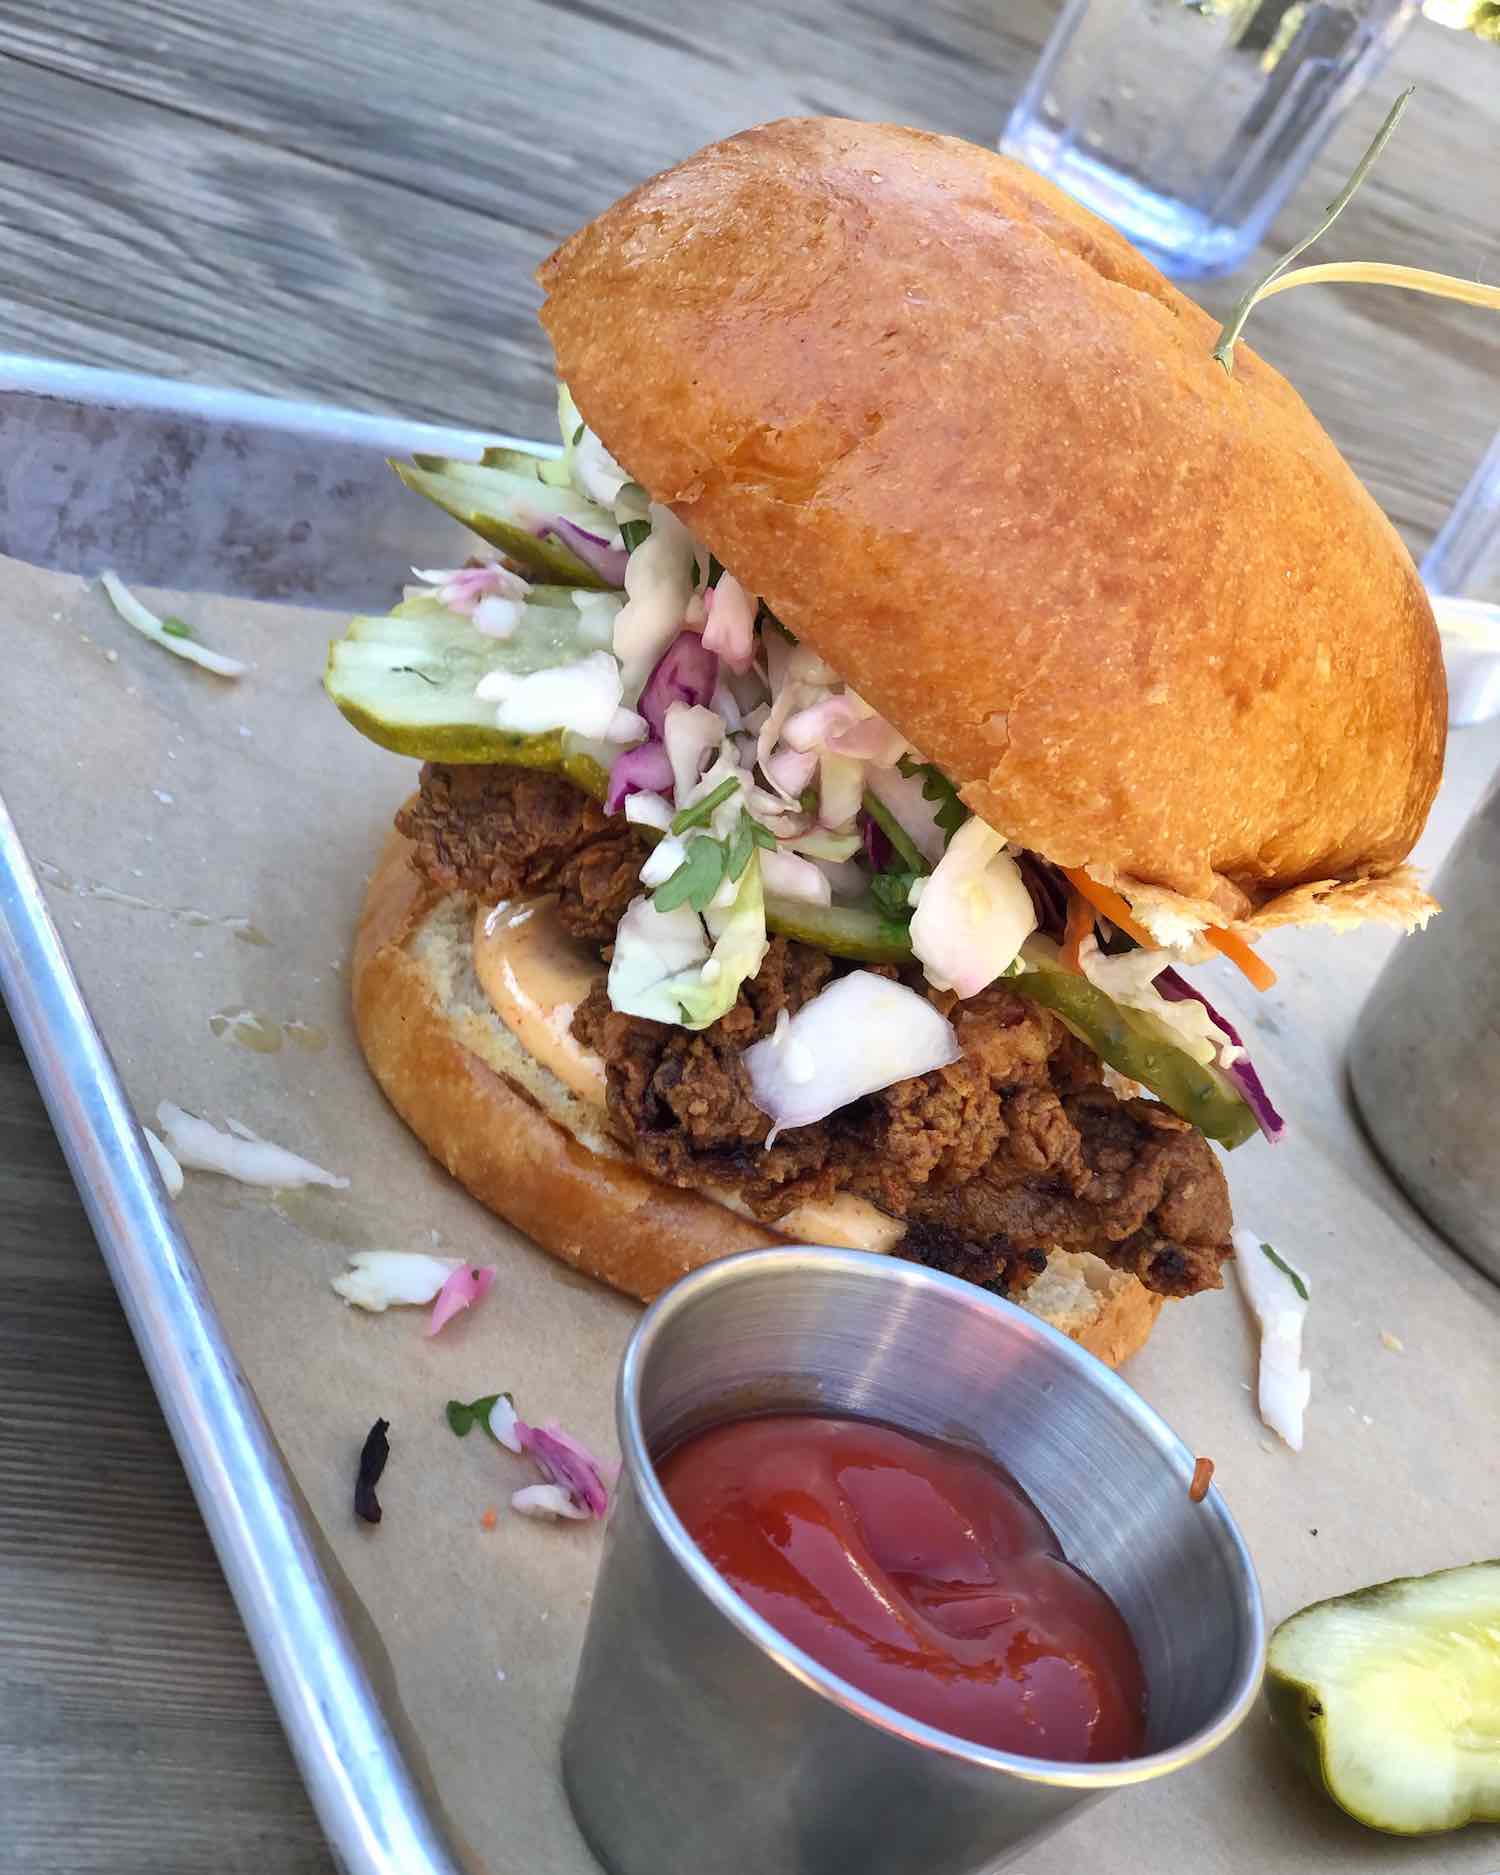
(1462, 573)
(1187, 123)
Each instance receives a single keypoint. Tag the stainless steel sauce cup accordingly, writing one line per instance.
(700, 1740)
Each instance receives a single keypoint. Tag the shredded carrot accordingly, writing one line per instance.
(1227, 943)
(1203, 1477)
(1110, 903)
(1231, 945)
(489, 1519)
(1080, 924)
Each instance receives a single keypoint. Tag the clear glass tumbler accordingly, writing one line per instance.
(1462, 573)
(1188, 122)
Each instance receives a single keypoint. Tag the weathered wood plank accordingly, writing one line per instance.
(354, 213)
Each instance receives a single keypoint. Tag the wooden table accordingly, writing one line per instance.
(346, 202)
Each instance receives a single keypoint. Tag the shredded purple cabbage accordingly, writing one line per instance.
(1246, 1082)
(643, 768)
(686, 673)
(594, 551)
(1049, 894)
(878, 849)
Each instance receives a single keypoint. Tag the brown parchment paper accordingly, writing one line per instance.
(205, 845)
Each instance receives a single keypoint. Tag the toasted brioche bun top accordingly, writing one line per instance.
(969, 444)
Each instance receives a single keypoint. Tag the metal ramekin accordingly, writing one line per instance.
(700, 1740)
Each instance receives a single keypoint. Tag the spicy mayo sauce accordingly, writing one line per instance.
(919, 1572)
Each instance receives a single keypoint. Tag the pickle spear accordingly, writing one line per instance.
(1390, 1699)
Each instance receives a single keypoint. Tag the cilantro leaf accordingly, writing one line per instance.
(696, 880)
(176, 627)
(632, 533)
(889, 891)
(463, 1416)
(1286, 1269)
(762, 836)
(698, 814)
(741, 847)
(578, 436)
(936, 787)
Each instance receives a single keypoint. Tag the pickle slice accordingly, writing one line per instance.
(1390, 1699)
(1132, 1044)
(855, 931)
(407, 682)
(500, 503)
(552, 470)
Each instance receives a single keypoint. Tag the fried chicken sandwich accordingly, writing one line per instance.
(921, 656)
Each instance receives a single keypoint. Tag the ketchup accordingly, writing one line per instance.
(919, 1572)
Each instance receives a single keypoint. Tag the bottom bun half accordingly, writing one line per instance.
(535, 1154)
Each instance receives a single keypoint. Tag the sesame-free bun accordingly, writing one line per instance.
(975, 449)
(541, 1158)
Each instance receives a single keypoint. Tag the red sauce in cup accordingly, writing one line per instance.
(919, 1572)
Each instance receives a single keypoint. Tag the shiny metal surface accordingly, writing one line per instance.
(215, 491)
(699, 1740)
(101, 468)
(364, 1795)
(1424, 1064)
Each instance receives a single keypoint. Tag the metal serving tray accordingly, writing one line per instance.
(217, 491)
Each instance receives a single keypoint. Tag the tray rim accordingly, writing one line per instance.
(367, 1799)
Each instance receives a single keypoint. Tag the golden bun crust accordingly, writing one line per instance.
(975, 449)
(488, 1129)
(534, 1154)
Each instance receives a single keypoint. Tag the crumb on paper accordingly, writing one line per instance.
(112, 657)
(490, 1518)
(162, 796)
(1394, 1342)
(1267, 1445)
(1367, 1419)
(500, 1673)
(246, 730)
(1203, 1477)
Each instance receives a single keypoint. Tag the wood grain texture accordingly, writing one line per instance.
(346, 202)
